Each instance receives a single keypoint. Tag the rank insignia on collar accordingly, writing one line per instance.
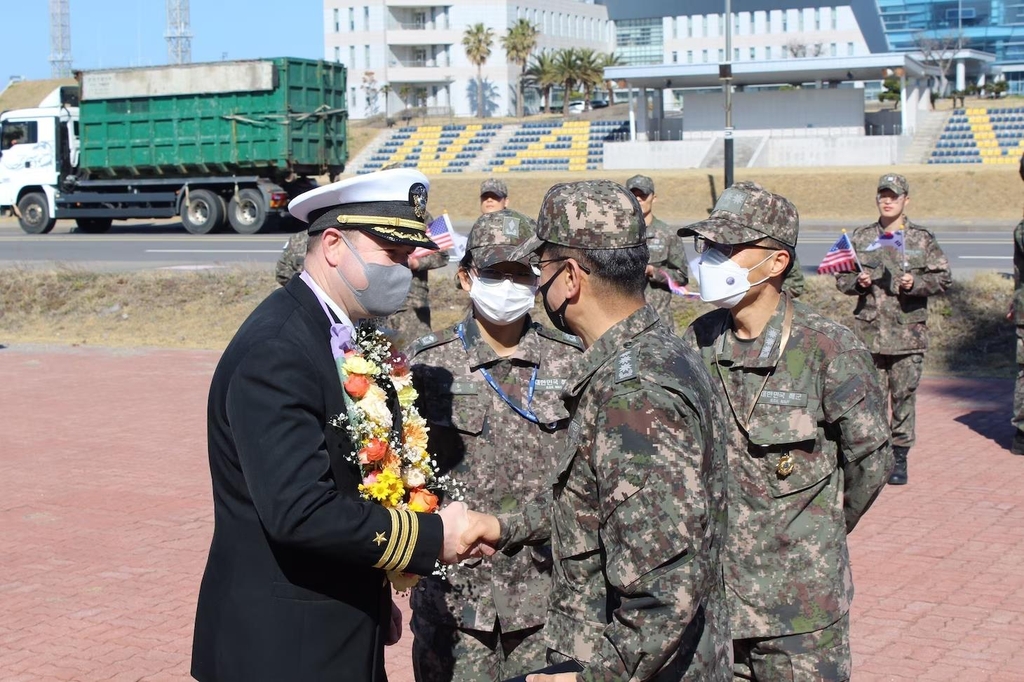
(786, 466)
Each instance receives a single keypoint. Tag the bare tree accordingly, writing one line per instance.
(798, 49)
(940, 51)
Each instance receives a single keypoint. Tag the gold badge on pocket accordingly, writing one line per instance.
(786, 466)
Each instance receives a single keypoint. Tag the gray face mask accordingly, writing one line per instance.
(386, 289)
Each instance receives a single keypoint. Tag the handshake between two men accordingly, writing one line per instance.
(467, 533)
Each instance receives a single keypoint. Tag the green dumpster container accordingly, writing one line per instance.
(259, 117)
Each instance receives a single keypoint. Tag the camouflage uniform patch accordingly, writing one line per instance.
(668, 254)
(292, 257)
(500, 459)
(802, 471)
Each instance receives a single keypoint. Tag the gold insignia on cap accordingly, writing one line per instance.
(381, 221)
(786, 465)
(418, 199)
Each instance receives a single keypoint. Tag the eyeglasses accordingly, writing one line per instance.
(703, 245)
(885, 198)
(580, 265)
(494, 276)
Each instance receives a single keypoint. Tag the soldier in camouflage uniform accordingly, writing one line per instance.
(668, 255)
(808, 446)
(413, 319)
(493, 195)
(1017, 315)
(794, 283)
(638, 506)
(892, 291)
(490, 388)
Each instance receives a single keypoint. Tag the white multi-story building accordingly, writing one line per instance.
(415, 49)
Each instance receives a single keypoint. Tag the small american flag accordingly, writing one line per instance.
(676, 288)
(840, 258)
(440, 232)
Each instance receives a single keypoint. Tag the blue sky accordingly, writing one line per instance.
(117, 33)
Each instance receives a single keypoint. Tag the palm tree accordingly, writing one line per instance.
(543, 75)
(478, 40)
(610, 59)
(518, 44)
(569, 73)
(590, 73)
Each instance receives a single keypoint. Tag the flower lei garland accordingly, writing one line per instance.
(397, 471)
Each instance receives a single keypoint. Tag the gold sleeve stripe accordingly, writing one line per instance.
(410, 547)
(381, 221)
(390, 560)
(392, 541)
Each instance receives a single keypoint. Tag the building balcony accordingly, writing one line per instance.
(421, 36)
(403, 73)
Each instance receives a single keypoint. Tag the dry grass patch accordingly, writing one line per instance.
(173, 309)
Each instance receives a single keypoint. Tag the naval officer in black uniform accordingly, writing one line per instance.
(295, 587)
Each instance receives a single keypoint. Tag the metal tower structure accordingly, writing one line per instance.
(60, 39)
(178, 35)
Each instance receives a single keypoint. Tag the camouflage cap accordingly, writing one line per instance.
(894, 182)
(592, 214)
(747, 212)
(493, 186)
(642, 183)
(495, 236)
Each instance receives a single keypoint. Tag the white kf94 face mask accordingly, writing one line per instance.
(722, 281)
(501, 302)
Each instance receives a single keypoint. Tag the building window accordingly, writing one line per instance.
(785, 21)
(689, 27)
(337, 53)
(832, 50)
(735, 54)
(835, 19)
(753, 54)
(351, 57)
(353, 96)
(721, 55)
(849, 49)
(641, 41)
(704, 55)
(337, 21)
(767, 22)
(785, 52)
(817, 19)
(736, 23)
(689, 56)
(675, 28)
(705, 24)
(800, 20)
(366, 18)
(675, 57)
(366, 56)
(352, 18)
(721, 24)
(767, 51)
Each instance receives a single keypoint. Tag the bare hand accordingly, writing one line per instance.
(395, 627)
(455, 518)
(413, 263)
(907, 281)
(864, 279)
(480, 536)
(560, 677)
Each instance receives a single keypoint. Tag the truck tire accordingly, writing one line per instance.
(34, 214)
(203, 212)
(94, 225)
(247, 212)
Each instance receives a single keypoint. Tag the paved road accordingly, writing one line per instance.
(164, 244)
(106, 516)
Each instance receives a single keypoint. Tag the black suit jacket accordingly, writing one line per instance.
(291, 591)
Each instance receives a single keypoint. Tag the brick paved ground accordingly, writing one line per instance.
(105, 520)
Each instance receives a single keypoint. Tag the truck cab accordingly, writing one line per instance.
(38, 149)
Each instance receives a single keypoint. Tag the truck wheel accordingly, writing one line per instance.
(247, 212)
(34, 214)
(93, 225)
(203, 212)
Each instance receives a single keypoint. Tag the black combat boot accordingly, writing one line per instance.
(1017, 447)
(899, 469)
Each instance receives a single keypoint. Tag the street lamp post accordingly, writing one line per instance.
(725, 73)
